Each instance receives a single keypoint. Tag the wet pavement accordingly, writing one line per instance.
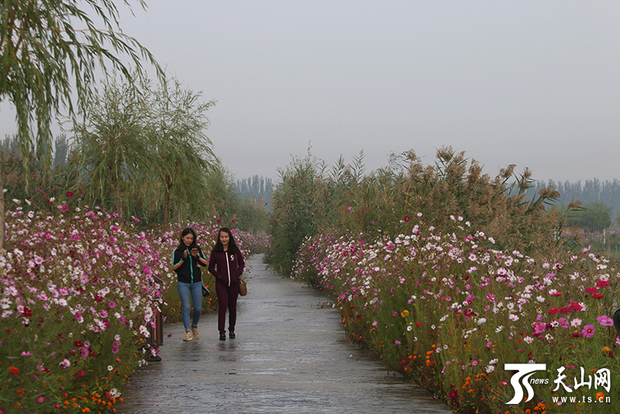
(291, 355)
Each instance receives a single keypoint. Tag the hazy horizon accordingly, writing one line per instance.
(530, 83)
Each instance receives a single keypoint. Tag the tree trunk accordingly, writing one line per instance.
(166, 207)
(2, 235)
(117, 199)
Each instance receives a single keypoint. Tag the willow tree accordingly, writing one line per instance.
(114, 143)
(50, 53)
(183, 149)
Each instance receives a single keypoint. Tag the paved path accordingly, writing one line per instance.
(290, 356)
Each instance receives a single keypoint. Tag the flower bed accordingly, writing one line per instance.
(449, 310)
(79, 291)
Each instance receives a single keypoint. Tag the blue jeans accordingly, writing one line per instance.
(195, 290)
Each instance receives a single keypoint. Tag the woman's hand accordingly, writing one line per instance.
(194, 252)
(185, 254)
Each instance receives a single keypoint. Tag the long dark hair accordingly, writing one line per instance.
(232, 246)
(184, 233)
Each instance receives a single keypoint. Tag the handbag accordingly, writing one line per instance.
(205, 291)
(243, 287)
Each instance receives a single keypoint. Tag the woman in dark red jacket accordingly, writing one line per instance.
(226, 264)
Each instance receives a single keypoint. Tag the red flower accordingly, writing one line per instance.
(591, 290)
(575, 306)
(20, 392)
(597, 296)
(553, 311)
(417, 325)
(406, 219)
(27, 312)
(14, 370)
(576, 334)
(78, 344)
(69, 194)
(79, 373)
(602, 283)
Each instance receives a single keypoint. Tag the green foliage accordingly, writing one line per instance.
(113, 143)
(309, 199)
(593, 217)
(50, 52)
(250, 215)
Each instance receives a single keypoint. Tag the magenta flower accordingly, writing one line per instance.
(588, 331)
(563, 322)
(112, 305)
(41, 399)
(605, 320)
(396, 342)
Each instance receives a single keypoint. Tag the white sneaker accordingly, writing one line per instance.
(195, 332)
(188, 336)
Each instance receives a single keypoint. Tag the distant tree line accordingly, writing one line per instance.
(600, 201)
(259, 189)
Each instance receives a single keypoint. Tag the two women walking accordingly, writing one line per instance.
(226, 264)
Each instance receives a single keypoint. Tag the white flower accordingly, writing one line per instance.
(490, 368)
(110, 367)
(513, 317)
(481, 321)
(528, 339)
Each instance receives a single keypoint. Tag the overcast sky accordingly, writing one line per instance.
(531, 83)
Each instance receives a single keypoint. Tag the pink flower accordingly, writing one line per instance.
(349, 208)
(135, 219)
(396, 342)
(605, 320)
(563, 323)
(588, 331)
(112, 305)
